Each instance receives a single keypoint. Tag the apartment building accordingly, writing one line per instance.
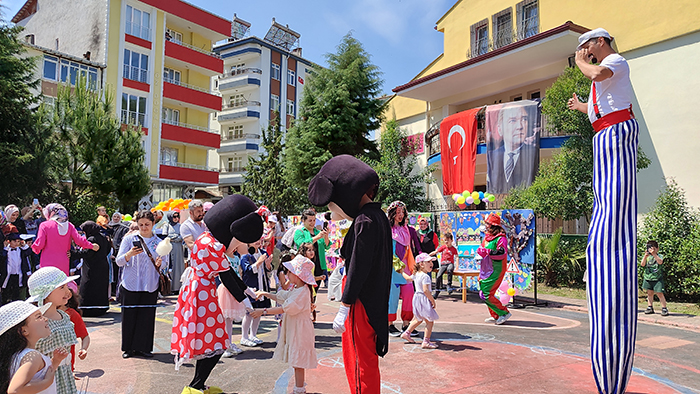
(496, 51)
(158, 61)
(261, 76)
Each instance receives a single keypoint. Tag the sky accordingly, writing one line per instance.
(399, 35)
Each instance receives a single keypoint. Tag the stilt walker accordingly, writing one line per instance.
(348, 187)
(611, 255)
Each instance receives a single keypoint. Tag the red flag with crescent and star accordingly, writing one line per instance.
(458, 151)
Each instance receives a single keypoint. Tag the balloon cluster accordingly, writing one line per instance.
(173, 204)
(468, 198)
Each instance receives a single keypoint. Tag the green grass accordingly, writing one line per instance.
(580, 294)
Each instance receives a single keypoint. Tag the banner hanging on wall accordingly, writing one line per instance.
(513, 144)
(458, 151)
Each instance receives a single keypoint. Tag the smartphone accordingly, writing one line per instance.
(137, 243)
(325, 226)
(35, 201)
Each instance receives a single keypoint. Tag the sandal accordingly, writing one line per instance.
(429, 345)
(407, 337)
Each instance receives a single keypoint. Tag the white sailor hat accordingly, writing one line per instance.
(595, 33)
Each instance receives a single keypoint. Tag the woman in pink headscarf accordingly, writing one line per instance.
(54, 238)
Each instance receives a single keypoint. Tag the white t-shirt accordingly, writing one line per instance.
(421, 278)
(614, 93)
(190, 228)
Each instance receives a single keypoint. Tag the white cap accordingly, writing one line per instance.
(16, 312)
(595, 33)
(272, 218)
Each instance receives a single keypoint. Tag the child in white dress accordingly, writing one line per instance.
(22, 368)
(296, 344)
(423, 301)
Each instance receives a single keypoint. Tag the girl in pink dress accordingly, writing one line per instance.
(296, 344)
(54, 239)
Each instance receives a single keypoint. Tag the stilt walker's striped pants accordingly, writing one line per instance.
(611, 256)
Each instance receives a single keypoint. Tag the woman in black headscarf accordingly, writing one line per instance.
(94, 278)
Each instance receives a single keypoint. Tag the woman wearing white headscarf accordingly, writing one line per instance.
(54, 238)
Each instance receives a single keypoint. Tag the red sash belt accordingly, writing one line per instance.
(613, 118)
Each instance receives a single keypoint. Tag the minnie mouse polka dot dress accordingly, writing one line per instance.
(198, 323)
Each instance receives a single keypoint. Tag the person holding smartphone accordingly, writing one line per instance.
(139, 286)
(653, 277)
(309, 233)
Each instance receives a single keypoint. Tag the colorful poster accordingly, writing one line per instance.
(467, 229)
(458, 151)
(512, 145)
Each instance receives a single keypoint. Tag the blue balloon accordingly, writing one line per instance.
(481, 195)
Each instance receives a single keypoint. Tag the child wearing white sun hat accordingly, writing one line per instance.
(50, 285)
(21, 366)
(297, 339)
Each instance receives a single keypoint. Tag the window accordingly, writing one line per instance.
(479, 38)
(236, 100)
(235, 132)
(138, 23)
(274, 102)
(172, 76)
(528, 18)
(237, 69)
(534, 95)
(171, 116)
(290, 107)
(133, 109)
(291, 78)
(172, 35)
(275, 71)
(234, 164)
(162, 192)
(135, 66)
(50, 67)
(503, 28)
(69, 72)
(168, 156)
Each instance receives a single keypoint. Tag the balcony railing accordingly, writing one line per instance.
(432, 136)
(232, 170)
(189, 126)
(135, 73)
(201, 89)
(528, 28)
(187, 165)
(239, 137)
(194, 48)
(241, 104)
(139, 31)
(240, 71)
(133, 118)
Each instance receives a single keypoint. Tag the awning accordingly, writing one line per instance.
(529, 56)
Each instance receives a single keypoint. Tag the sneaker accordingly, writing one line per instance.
(393, 331)
(503, 319)
(436, 293)
(406, 337)
(649, 310)
(664, 311)
(450, 290)
(257, 340)
(490, 319)
(414, 333)
(248, 343)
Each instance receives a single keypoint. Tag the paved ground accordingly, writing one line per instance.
(540, 350)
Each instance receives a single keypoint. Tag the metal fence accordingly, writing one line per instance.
(504, 37)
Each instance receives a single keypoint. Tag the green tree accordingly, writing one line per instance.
(396, 170)
(265, 182)
(25, 152)
(98, 163)
(337, 113)
(563, 187)
(676, 227)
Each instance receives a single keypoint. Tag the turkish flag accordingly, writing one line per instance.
(458, 151)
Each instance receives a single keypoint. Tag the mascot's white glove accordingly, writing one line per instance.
(339, 321)
(251, 293)
(248, 305)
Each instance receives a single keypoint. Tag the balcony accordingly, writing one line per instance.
(233, 176)
(238, 143)
(184, 55)
(135, 119)
(239, 111)
(191, 96)
(189, 173)
(190, 134)
(240, 79)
